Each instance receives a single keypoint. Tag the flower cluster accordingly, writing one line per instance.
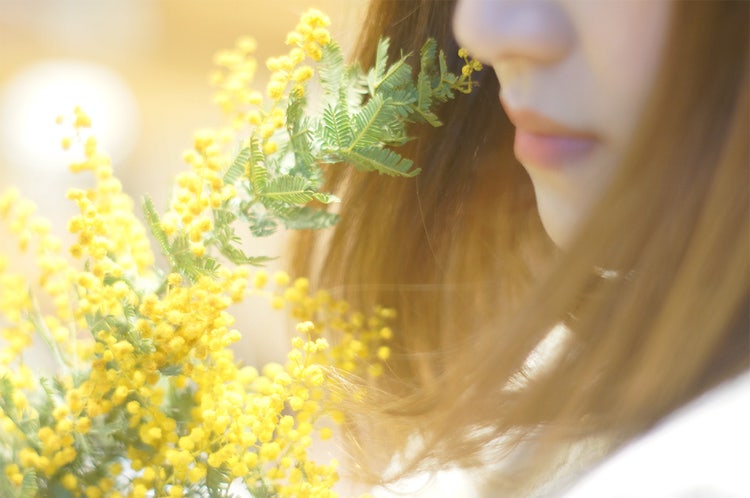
(163, 406)
(148, 399)
(361, 340)
(199, 190)
(237, 68)
(470, 66)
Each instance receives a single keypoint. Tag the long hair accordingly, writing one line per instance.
(460, 252)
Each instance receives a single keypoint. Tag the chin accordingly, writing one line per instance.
(559, 223)
(560, 236)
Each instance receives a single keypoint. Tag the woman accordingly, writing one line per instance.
(603, 198)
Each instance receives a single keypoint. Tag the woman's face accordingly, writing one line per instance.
(574, 76)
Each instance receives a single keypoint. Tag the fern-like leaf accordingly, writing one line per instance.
(294, 190)
(444, 90)
(55, 489)
(154, 225)
(427, 78)
(306, 218)
(28, 487)
(337, 130)
(384, 161)
(370, 122)
(6, 488)
(238, 256)
(259, 175)
(427, 57)
(356, 90)
(291, 189)
(216, 481)
(178, 253)
(381, 62)
(256, 169)
(261, 223)
(299, 129)
(396, 76)
(424, 100)
(331, 70)
(238, 167)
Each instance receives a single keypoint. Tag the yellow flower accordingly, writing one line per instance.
(14, 475)
(82, 120)
(158, 365)
(270, 147)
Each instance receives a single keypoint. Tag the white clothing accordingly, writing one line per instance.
(700, 451)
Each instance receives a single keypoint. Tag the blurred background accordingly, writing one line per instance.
(140, 69)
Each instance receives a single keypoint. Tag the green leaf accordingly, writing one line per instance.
(442, 64)
(180, 403)
(257, 169)
(6, 488)
(217, 478)
(238, 167)
(295, 109)
(427, 79)
(357, 89)
(28, 485)
(424, 100)
(444, 90)
(331, 70)
(238, 256)
(294, 190)
(337, 130)
(307, 218)
(178, 253)
(258, 178)
(299, 129)
(397, 76)
(130, 312)
(261, 224)
(402, 101)
(227, 240)
(381, 61)
(371, 122)
(427, 56)
(187, 263)
(154, 225)
(384, 161)
(57, 491)
(171, 370)
(6, 394)
(207, 266)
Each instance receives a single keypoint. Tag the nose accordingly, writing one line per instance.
(499, 30)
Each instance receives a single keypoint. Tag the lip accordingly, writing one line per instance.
(542, 141)
(551, 151)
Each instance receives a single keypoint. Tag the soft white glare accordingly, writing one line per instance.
(30, 101)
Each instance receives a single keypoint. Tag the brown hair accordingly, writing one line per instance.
(460, 252)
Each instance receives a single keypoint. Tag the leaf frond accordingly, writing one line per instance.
(29, 486)
(292, 189)
(302, 217)
(238, 167)
(381, 61)
(331, 70)
(337, 130)
(370, 123)
(154, 225)
(384, 161)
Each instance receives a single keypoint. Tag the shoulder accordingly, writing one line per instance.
(702, 449)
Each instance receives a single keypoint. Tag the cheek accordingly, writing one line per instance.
(623, 43)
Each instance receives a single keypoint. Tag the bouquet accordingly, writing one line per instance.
(148, 399)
